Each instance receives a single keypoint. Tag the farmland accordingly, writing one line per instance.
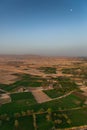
(59, 119)
(45, 93)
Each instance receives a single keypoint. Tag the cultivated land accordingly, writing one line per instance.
(44, 93)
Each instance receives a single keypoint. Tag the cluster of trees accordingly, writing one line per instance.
(56, 118)
(48, 70)
(59, 119)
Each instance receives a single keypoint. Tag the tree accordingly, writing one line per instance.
(0, 122)
(49, 111)
(16, 115)
(48, 117)
(28, 112)
(16, 123)
(23, 113)
(41, 110)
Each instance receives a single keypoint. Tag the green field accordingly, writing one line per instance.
(54, 93)
(23, 99)
(25, 123)
(71, 101)
(58, 119)
(42, 122)
(78, 117)
(22, 96)
(63, 119)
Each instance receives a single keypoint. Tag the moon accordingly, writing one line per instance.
(71, 10)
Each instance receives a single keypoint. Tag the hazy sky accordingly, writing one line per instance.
(48, 27)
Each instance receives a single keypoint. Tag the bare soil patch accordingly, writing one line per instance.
(40, 96)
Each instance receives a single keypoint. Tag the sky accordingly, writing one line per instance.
(44, 27)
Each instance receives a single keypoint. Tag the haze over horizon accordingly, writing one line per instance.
(43, 27)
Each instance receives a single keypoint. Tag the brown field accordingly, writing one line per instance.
(29, 64)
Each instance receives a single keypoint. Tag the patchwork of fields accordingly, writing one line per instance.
(47, 100)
